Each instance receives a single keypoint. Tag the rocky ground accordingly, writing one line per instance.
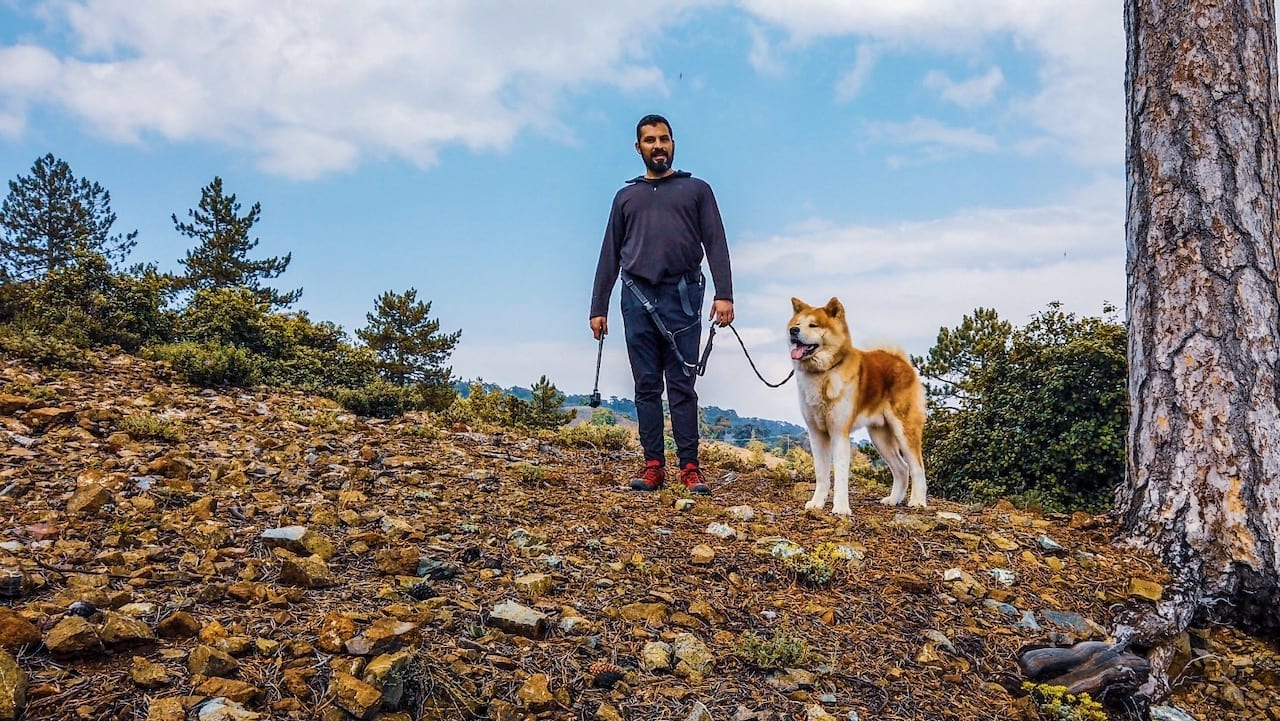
(172, 553)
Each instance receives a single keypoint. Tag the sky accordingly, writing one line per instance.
(917, 159)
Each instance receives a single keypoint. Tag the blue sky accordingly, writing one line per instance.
(916, 158)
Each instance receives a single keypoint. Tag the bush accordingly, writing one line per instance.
(380, 399)
(90, 305)
(209, 364)
(782, 651)
(584, 435)
(1056, 704)
(42, 349)
(150, 425)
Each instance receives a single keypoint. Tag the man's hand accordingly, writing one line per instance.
(600, 326)
(722, 312)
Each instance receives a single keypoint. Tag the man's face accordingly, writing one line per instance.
(656, 148)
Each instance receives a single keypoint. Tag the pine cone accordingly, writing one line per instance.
(605, 675)
(12, 581)
(421, 591)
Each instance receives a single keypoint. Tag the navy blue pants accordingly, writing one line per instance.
(653, 359)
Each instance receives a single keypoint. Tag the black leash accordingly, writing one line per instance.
(748, 355)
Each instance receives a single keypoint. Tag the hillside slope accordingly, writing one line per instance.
(298, 562)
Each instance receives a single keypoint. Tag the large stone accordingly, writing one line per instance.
(300, 540)
(656, 656)
(383, 635)
(149, 675)
(209, 661)
(88, 498)
(354, 696)
(169, 708)
(654, 613)
(43, 418)
(217, 687)
(520, 620)
(13, 688)
(16, 631)
(72, 636)
(121, 630)
(535, 585)
(386, 673)
(335, 630)
(10, 404)
(535, 694)
(308, 572)
(224, 709)
(693, 659)
(178, 624)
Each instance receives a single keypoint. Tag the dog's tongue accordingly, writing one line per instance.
(797, 352)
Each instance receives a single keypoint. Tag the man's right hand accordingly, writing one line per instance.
(599, 326)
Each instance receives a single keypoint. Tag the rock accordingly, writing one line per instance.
(535, 694)
(45, 418)
(209, 661)
(1169, 713)
(1049, 545)
(1142, 588)
(656, 656)
(10, 403)
(308, 572)
(121, 630)
(741, 513)
(817, 713)
(383, 635)
(16, 632)
(500, 710)
(1003, 576)
(178, 624)
(222, 709)
(790, 680)
(607, 712)
(1002, 543)
(693, 659)
(354, 696)
(699, 712)
(72, 636)
(386, 673)
(521, 620)
(228, 688)
(170, 708)
(300, 540)
(720, 530)
(336, 630)
(13, 688)
(653, 613)
(149, 675)
(87, 499)
(535, 585)
(684, 504)
(702, 555)
(397, 561)
(912, 522)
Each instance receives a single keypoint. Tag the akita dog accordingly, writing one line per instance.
(843, 389)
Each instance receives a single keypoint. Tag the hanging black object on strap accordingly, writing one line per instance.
(595, 391)
(699, 368)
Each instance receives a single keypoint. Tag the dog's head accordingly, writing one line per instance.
(816, 333)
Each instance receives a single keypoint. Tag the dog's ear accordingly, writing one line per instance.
(798, 305)
(833, 308)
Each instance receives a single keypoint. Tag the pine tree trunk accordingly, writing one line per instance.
(1203, 475)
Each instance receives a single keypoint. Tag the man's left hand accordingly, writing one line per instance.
(722, 312)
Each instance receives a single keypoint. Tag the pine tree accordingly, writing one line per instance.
(407, 342)
(545, 406)
(50, 218)
(221, 258)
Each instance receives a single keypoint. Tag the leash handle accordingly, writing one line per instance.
(706, 353)
(594, 402)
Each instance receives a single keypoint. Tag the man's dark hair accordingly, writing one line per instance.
(652, 119)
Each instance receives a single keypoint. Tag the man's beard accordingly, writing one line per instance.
(659, 166)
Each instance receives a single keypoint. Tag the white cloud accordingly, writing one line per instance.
(850, 84)
(931, 139)
(971, 93)
(380, 78)
(762, 56)
(1079, 102)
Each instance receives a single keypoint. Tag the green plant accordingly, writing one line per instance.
(379, 399)
(1056, 704)
(30, 390)
(818, 565)
(781, 651)
(209, 363)
(150, 425)
(529, 473)
(588, 436)
(42, 349)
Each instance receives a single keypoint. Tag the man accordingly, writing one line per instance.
(661, 226)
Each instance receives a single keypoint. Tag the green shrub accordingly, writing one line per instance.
(150, 425)
(529, 473)
(44, 350)
(91, 305)
(782, 651)
(209, 364)
(379, 399)
(1055, 704)
(588, 436)
(817, 566)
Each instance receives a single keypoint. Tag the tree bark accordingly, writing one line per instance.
(1202, 485)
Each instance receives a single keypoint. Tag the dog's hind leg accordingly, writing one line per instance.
(821, 444)
(911, 442)
(886, 443)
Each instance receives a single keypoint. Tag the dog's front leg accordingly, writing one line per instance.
(840, 454)
(821, 444)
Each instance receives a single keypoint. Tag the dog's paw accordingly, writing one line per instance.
(917, 503)
(891, 501)
(841, 511)
(815, 504)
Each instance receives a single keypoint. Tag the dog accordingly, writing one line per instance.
(842, 389)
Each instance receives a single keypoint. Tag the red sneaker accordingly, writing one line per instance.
(692, 478)
(652, 478)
